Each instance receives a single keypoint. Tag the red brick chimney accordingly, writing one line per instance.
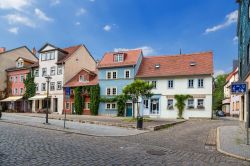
(34, 50)
(2, 49)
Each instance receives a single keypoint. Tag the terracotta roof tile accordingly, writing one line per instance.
(70, 51)
(131, 58)
(178, 65)
(90, 75)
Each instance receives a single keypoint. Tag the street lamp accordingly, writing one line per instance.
(47, 112)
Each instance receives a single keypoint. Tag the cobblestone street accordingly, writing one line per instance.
(183, 144)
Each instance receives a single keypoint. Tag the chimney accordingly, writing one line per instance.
(2, 49)
(34, 50)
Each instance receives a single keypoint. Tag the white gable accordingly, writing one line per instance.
(48, 47)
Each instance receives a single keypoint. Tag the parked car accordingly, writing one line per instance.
(220, 113)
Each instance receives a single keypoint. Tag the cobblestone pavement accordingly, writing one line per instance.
(183, 144)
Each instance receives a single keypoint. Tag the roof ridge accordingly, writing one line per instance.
(72, 46)
(178, 55)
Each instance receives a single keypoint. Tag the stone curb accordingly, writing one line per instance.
(224, 152)
(150, 128)
(67, 131)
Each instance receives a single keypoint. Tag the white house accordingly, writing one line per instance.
(232, 103)
(61, 65)
(187, 74)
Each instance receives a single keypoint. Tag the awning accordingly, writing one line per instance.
(38, 97)
(12, 98)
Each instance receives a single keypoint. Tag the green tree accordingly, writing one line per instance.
(30, 86)
(180, 103)
(94, 99)
(218, 94)
(136, 89)
(78, 100)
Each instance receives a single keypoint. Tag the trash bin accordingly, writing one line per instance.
(139, 122)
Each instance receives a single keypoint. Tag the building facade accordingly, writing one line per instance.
(8, 60)
(61, 65)
(84, 78)
(189, 74)
(115, 71)
(243, 33)
(232, 102)
(15, 85)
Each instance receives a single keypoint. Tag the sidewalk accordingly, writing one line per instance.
(153, 124)
(71, 127)
(231, 140)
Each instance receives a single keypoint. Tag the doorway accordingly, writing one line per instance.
(129, 110)
(55, 102)
(154, 109)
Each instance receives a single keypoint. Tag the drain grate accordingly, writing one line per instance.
(156, 152)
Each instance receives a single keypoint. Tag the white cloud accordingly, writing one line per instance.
(77, 23)
(230, 19)
(81, 11)
(107, 28)
(41, 15)
(19, 19)
(235, 40)
(14, 30)
(218, 72)
(55, 2)
(146, 50)
(14, 4)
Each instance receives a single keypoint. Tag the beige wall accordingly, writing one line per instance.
(8, 60)
(80, 59)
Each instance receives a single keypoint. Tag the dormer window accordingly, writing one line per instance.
(19, 63)
(119, 57)
(82, 78)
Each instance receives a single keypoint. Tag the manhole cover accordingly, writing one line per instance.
(156, 152)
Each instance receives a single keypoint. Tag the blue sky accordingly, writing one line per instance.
(160, 27)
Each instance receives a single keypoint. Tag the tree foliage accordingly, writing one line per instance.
(138, 88)
(78, 100)
(30, 86)
(180, 103)
(94, 99)
(218, 93)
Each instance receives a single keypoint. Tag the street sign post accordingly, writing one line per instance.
(242, 88)
(67, 94)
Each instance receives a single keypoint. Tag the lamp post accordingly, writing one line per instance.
(47, 111)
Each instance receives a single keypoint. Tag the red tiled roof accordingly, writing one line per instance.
(70, 51)
(131, 58)
(232, 74)
(74, 82)
(178, 65)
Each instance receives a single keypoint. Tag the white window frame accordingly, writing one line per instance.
(115, 74)
(83, 78)
(199, 83)
(125, 74)
(154, 85)
(43, 56)
(111, 75)
(170, 84)
(21, 78)
(59, 70)
(53, 68)
(59, 83)
(44, 73)
(189, 105)
(16, 91)
(36, 72)
(43, 87)
(21, 91)
(52, 84)
(146, 103)
(200, 106)
(189, 83)
(119, 57)
(170, 107)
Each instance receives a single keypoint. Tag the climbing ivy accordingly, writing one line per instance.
(78, 100)
(30, 86)
(94, 99)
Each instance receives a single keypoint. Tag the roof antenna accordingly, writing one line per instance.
(180, 51)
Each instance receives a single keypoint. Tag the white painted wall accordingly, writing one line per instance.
(181, 87)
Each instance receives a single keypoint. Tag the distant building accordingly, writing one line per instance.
(61, 64)
(15, 85)
(231, 103)
(8, 60)
(243, 33)
(187, 74)
(115, 71)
